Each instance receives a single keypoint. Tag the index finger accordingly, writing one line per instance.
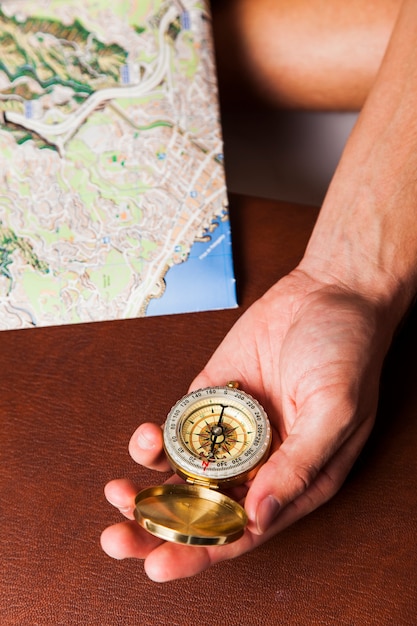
(146, 447)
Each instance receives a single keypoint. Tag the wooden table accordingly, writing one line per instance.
(70, 399)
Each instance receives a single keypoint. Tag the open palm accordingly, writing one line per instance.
(311, 353)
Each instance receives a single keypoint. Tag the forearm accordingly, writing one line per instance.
(366, 234)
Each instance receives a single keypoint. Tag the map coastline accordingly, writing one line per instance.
(207, 259)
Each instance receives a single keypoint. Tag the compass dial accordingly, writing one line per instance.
(217, 432)
(217, 436)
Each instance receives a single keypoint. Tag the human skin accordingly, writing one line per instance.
(304, 54)
(312, 348)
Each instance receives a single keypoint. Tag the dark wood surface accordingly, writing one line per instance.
(71, 397)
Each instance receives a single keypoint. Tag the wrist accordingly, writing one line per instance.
(350, 266)
(366, 243)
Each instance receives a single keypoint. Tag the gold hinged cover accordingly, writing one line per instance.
(190, 514)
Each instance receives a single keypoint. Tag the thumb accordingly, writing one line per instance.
(307, 470)
(287, 474)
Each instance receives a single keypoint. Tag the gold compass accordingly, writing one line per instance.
(214, 438)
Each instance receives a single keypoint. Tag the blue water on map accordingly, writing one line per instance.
(205, 281)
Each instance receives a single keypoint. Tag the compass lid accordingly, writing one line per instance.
(190, 514)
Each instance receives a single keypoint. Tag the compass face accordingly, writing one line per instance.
(217, 435)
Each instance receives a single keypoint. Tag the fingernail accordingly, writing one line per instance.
(117, 505)
(267, 511)
(125, 509)
(144, 442)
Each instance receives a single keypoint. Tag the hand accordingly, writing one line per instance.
(311, 352)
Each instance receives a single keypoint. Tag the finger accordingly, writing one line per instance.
(146, 447)
(167, 561)
(171, 561)
(128, 540)
(121, 494)
(323, 424)
(326, 485)
(164, 561)
(290, 488)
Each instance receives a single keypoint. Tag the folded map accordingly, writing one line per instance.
(113, 200)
